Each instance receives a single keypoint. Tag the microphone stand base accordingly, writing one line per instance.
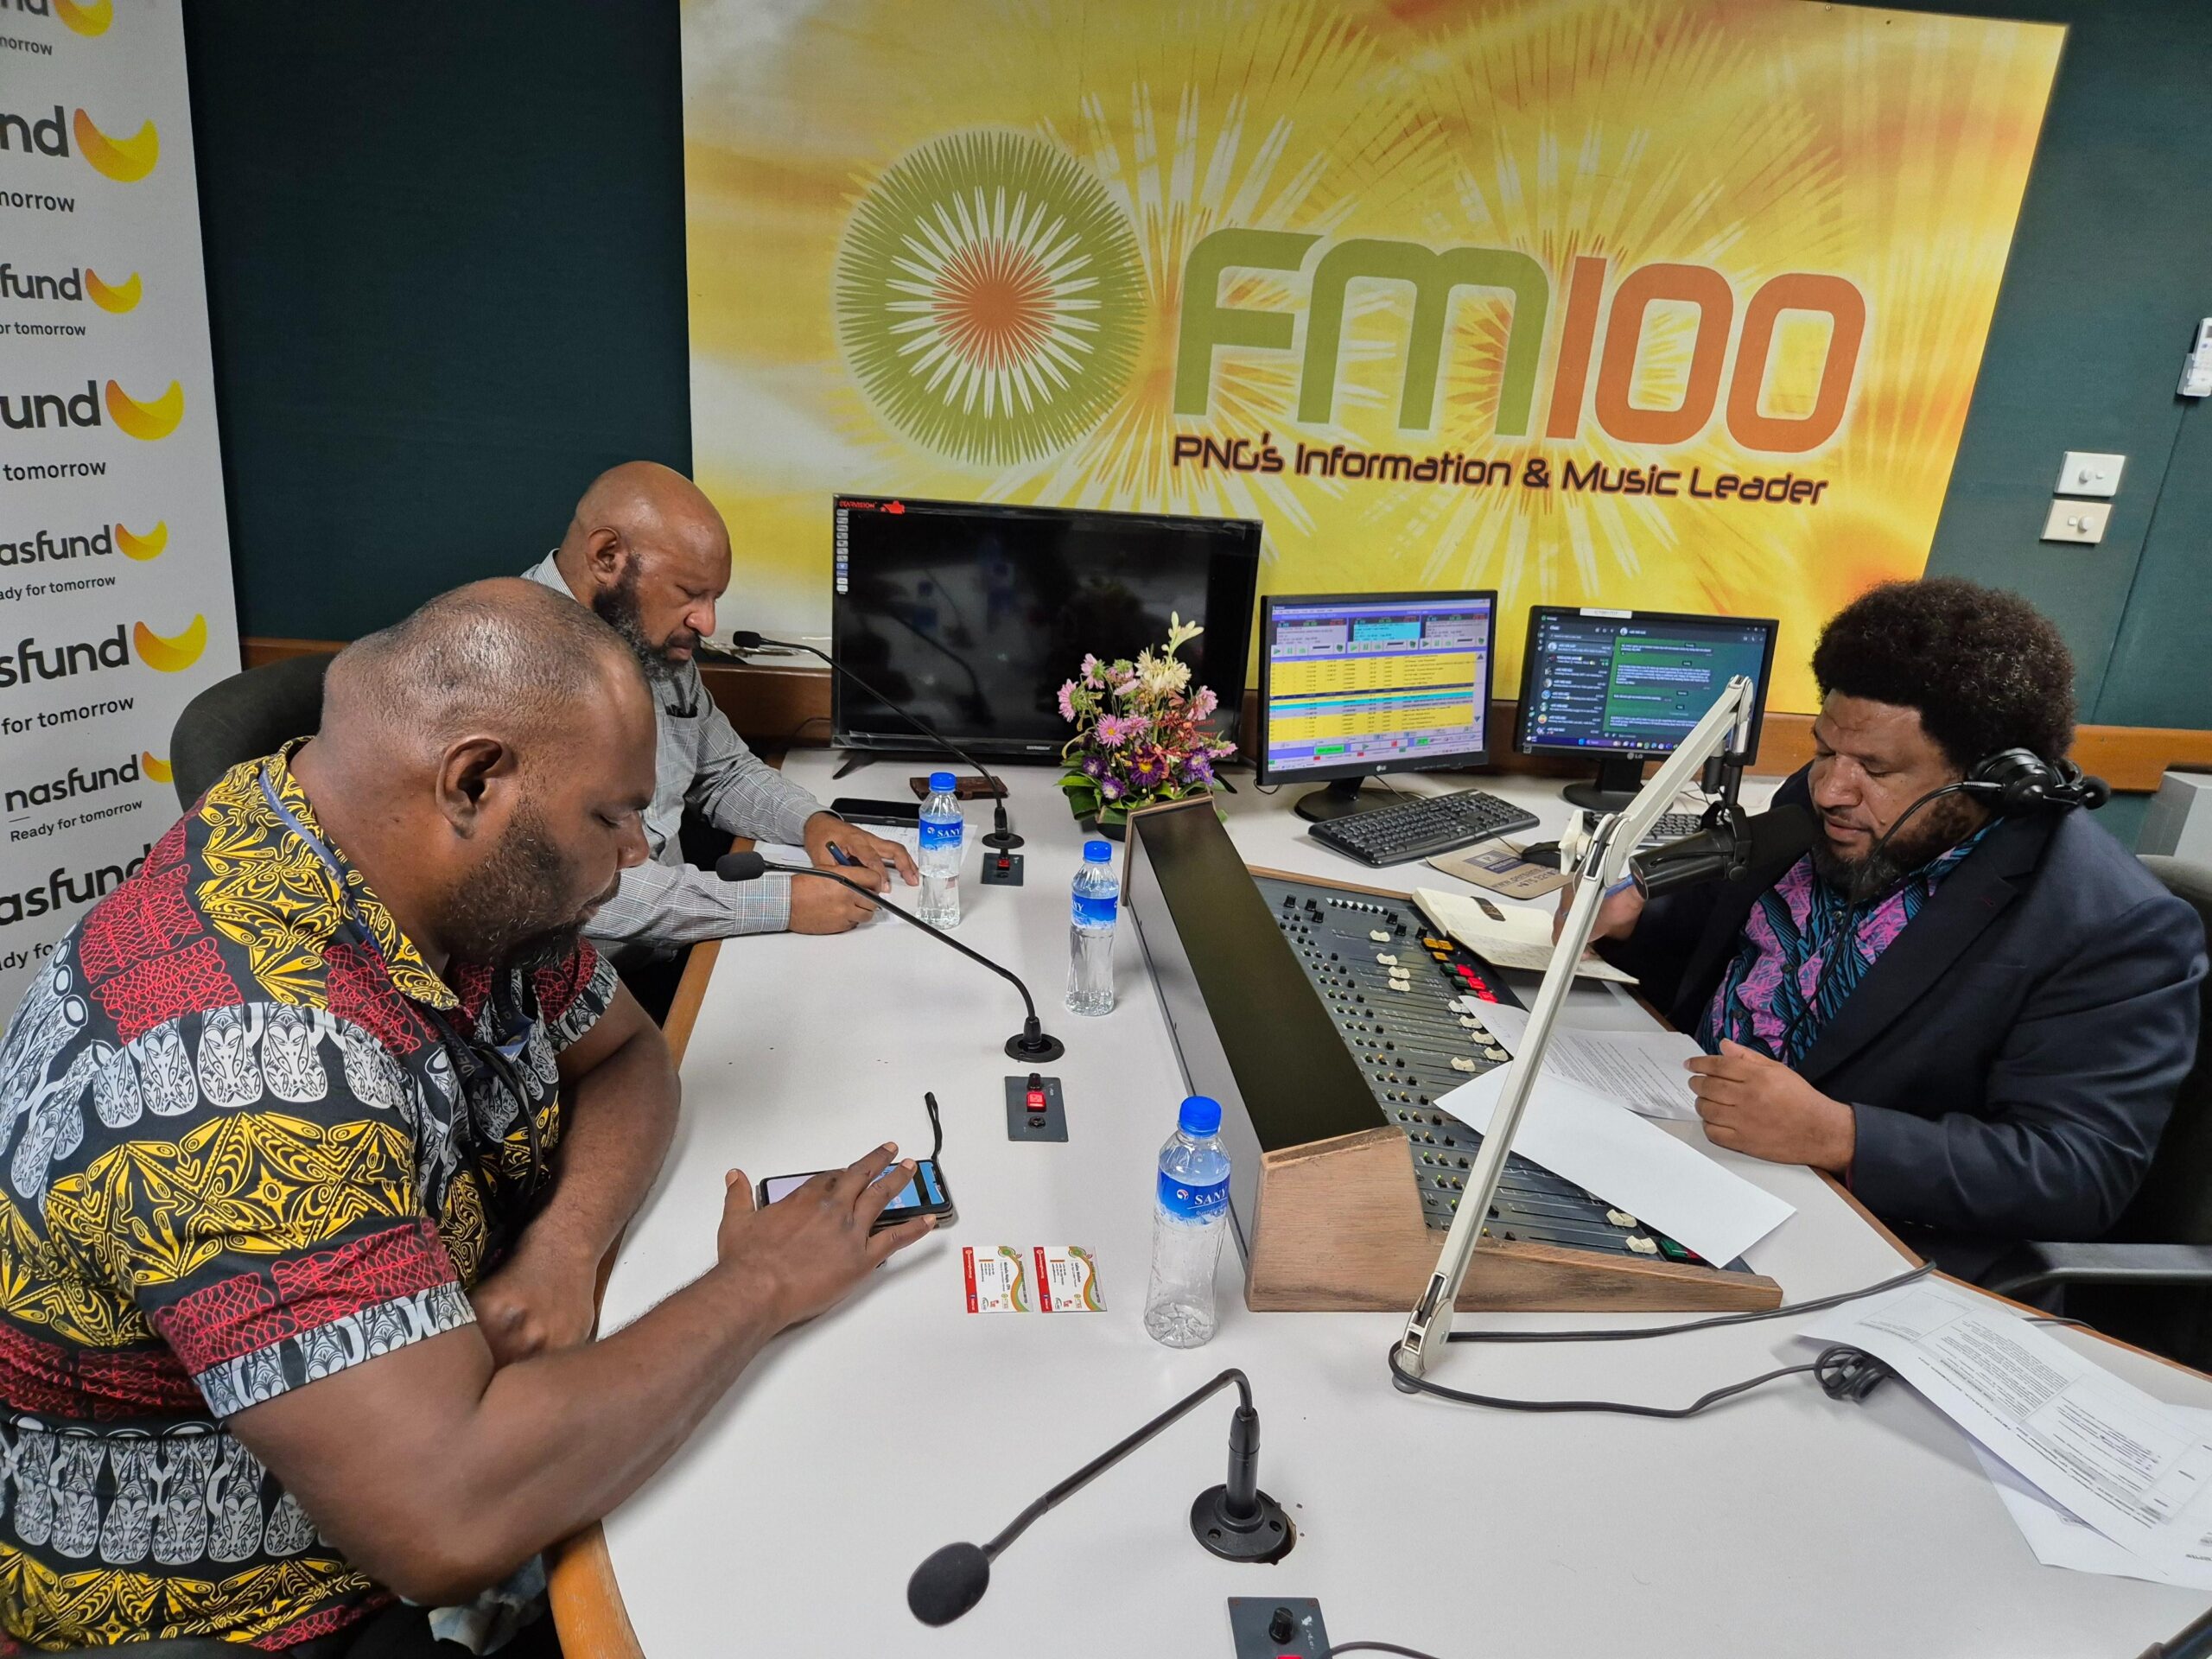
(1040, 1049)
(1265, 1535)
(1002, 841)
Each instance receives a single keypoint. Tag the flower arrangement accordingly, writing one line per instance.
(1139, 738)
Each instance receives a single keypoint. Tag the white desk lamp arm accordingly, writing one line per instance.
(1723, 734)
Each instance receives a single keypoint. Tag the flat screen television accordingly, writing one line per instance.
(971, 614)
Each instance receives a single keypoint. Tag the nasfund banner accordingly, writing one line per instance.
(115, 572)
(1668, 303)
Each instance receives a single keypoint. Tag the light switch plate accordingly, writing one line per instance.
(2077, 521)
(2090, 475)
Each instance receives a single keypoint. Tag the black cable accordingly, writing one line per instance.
(1843, 1372)
(937, 1129)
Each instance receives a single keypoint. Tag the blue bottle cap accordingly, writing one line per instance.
(941, 782)
(1201, 1116)
(1097, 852)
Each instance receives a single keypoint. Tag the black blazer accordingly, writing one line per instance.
(2011, 1056)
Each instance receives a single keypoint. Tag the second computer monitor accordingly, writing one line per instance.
(1624, 687)
(1355, 684)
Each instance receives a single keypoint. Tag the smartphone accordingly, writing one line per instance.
(925, 1195)
(896, 814)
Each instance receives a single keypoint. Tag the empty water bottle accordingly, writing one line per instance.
(1189, 1215)
(1090, 933)
(944, 833)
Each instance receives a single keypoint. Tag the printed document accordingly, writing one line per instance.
(1667, 1184)
(2138, 1470)
(1642, 1070)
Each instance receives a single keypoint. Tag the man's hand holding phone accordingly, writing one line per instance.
(813, 1247)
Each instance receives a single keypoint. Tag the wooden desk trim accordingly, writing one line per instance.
(580, 1583)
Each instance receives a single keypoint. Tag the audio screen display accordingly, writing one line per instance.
(1624, 682)
(1391, 682)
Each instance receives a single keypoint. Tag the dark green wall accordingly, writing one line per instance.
(2111, 268)
(445, 272)
(445, 249)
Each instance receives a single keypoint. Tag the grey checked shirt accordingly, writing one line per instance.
(702, 762)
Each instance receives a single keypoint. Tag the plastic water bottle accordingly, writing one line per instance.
(945, 831)
(1090, 936)
(1189, 1217)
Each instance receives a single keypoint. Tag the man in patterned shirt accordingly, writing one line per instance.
(647, 551)
(314, 1132)
(1981, 1023)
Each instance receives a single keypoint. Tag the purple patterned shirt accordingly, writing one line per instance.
(1780, 992)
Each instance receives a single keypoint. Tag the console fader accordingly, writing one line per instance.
(1388, 979)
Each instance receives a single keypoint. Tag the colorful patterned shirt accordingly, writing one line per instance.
(240, 1150)
(1780, 992)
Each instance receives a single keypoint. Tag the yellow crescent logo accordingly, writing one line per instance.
(124, 160)
(170, 656)
(142, 547)
(91, 19)
(155, 768)
(146, 422)
(117, 297)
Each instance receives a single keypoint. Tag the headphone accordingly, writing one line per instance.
(2013, 782)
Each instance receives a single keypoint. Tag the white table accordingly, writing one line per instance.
(1783, 1523)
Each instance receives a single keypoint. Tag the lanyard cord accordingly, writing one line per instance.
(463, 1047)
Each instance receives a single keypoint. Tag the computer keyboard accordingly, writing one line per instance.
(1673, 826)
(1422, 826)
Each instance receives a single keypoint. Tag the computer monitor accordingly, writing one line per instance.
(1626, 687)
(971, 614)
(1356, 684)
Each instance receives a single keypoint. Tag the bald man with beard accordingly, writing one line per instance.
(648, 553)
(315, 1132)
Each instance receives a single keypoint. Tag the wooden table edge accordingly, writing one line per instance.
(587, 1609)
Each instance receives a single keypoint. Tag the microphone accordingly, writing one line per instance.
(1728, 849)
(1236, 1521)
(1001, 837)
(1031, 1043)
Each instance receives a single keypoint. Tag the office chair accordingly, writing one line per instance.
(241, 718)
(2149, 1281)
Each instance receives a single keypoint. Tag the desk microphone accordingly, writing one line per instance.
(1236, 1521)
(1727, 849)
(1001, 837)
(1031, 1043)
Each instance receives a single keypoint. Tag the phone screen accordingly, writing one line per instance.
(925, 1179)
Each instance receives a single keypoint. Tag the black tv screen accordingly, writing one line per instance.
(972, 615)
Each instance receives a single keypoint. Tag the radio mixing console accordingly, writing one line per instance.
(1406, 1001)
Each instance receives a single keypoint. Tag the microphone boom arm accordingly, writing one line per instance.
(1033, 1044)
(1721, 736)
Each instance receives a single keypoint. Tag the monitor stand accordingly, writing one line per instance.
(1619, 780)
(1343, 799)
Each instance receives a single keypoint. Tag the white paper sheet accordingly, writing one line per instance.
(1667, 1184)
(1523, 941)
(2138, 1470)
(2056, 1539)
(1642, 1070)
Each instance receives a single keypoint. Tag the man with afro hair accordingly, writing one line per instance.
(1977, 1021)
